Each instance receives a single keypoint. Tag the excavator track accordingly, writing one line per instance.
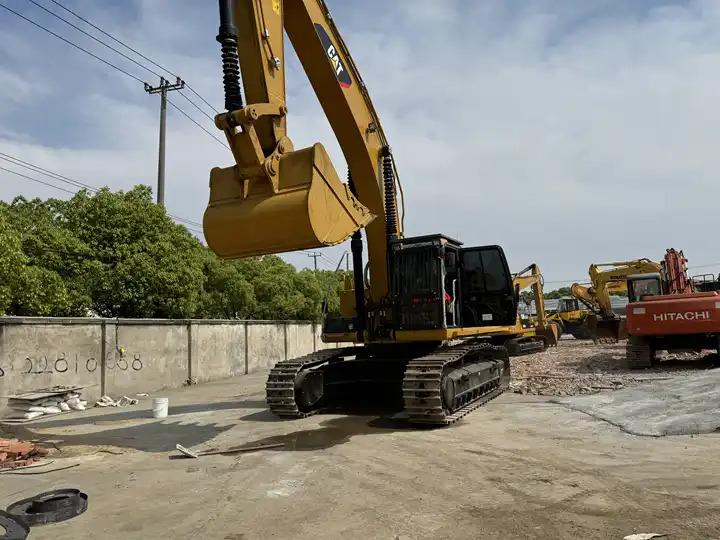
(424, 394)
(438, 388)
(280, 386)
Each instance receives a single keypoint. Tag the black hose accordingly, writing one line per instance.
(227, 37)
(391, 217)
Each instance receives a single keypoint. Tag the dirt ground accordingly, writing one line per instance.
(581, 367)
(520, 467)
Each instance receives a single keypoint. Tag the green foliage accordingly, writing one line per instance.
(117, 254)
(558, 293)
(40, 292)
(12, 261)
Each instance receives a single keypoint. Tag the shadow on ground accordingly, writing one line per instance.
(356, 420)
(141, 411)
(334, 432)
(147, 437)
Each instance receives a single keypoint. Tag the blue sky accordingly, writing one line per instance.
(569, 132)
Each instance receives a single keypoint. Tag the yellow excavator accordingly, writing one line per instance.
(571, 317)
(603, 324)
(426, 320)
(539, 325)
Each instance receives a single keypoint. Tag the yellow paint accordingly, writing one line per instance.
(311, 208)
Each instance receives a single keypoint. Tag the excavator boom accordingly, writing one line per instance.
(606, 278)
(275, 198)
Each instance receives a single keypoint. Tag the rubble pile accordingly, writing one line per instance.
(15, 453)
(581, 367)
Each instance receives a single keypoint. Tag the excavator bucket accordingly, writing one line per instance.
(607, 330)
(309, 208)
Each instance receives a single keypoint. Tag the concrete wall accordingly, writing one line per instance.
(127, 356)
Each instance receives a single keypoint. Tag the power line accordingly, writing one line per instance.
(141, 55)
(35, 168)
(186, 115)
(73, 44)
(101, 42)
(196, 105)
(76, 183)
(38, 181)
(111, 65)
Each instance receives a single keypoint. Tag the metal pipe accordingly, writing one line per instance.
(356, 248)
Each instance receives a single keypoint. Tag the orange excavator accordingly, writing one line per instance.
(666, 313)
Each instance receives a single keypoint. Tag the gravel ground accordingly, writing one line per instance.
(577, 367)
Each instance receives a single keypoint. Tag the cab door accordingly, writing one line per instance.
(488, 297)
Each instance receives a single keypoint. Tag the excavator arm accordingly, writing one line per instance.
(532, 278)
(275, 198)
(605, 278)
(608, 278)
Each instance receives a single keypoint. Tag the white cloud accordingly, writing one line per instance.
(568, 132)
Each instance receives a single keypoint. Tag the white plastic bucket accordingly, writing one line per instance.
(160, 407)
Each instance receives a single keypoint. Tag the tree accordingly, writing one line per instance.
(12, 261)
(117, 254)
(40, 292)
(147, 266)
(52, 246)
(559, 293)
(227, 293)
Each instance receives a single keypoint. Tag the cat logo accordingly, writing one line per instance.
(341, 73)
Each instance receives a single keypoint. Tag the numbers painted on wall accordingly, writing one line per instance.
(64, 363)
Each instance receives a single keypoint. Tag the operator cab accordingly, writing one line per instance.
(567, 304)
(642, 285)
(706, 283)
(437, 283)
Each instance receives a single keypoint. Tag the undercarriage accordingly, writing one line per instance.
(435, 385)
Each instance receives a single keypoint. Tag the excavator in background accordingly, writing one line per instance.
(602, 323)
(539, 325)
(667, 313)
(427, 319)
(570, 317)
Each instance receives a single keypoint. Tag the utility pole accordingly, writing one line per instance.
(163, 89)
(314, 255)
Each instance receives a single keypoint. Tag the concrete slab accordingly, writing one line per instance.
(518, 468)
(678, 406)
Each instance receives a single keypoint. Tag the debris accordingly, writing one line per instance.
(191, 381)
(184, 451)
(189, 453)
(44, 402)
(578, 367)
(14, 528)
(50, 507)
(124, 401)
(19, 473)
(643, 536)
(15, 453)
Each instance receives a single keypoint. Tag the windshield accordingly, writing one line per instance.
(645, 287)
